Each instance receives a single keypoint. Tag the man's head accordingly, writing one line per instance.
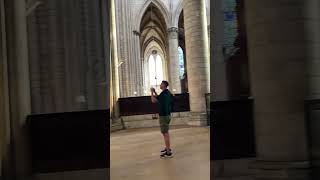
(164, 85)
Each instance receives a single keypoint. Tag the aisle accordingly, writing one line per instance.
(135, 155)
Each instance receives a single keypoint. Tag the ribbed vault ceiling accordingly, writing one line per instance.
(153, 28)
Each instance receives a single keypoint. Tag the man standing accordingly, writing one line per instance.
(165, 104)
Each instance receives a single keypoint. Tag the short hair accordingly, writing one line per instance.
(165, 83)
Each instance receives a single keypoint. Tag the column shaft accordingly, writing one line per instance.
(219, 86)
(175, 84)
(20, 99)
(277, 67)
(197, 53)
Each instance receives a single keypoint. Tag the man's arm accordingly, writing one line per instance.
(154, 96)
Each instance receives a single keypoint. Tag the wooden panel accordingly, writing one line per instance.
(232, 130)
(142, 105)
(313, 129)
(69, 141)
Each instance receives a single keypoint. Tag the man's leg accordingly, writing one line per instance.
(167, 140)
(165, 131)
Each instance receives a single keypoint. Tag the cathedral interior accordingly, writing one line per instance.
(75, 79)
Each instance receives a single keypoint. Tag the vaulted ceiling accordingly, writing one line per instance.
(153, 28)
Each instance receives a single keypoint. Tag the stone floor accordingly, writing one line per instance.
(92, 174)
(135, 154)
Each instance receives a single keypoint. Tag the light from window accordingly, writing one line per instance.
(181, 62)
(155, 70)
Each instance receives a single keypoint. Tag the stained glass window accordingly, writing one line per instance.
(181, 62)
(230, 28)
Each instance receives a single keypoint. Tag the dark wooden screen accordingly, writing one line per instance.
(313, 129)
(69, 141)
(232, 130)
(143, 105)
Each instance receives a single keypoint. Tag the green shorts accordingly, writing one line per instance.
(164, 123)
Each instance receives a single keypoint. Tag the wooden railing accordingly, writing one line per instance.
(142, 105)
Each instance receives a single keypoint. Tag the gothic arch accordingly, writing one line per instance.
(162, 54)
(145, 63)
(149, 52)
(159, 4)
(179, 9)
(159, 42)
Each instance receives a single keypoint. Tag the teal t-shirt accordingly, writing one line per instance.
(165, 103)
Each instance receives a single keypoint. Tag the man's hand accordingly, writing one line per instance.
(152, 90)
(153, 95)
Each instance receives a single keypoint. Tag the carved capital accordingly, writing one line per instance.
(173, 33)
(136, 33)
(173, 29)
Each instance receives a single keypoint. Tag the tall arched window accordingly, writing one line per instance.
(181, 62)
(155, 70)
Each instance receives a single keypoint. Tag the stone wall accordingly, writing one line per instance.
(4, 110)
(67, 57)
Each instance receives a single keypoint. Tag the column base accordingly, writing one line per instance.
(232, 169)
(282, 170)
(198, 119)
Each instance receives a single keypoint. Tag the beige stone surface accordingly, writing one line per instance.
(135, 155)
(277, 66)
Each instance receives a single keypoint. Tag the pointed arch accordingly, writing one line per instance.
(179, 9)
(159, 42)
(159, 4)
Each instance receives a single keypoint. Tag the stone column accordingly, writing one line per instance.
(219, 86)
(105, 16)
(313, 63)
(174, 79)
(138, 61)
(123, 52)
(277, 56)
(4, 96)
(115, 86)
(20, 99)
(197, 53)
(218, 75)
(313, 83)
